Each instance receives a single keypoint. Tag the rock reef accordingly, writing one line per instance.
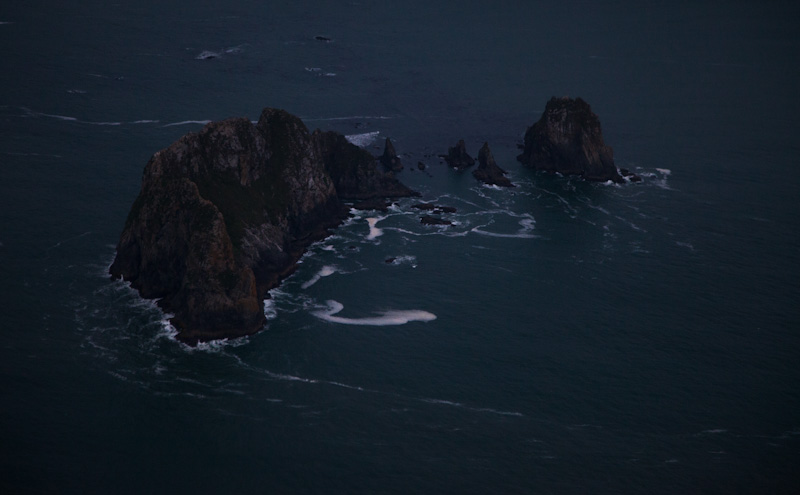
(568, 139)
(224, 214)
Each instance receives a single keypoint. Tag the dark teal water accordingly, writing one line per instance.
(587, 338)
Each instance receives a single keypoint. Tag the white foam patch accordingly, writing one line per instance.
(67, 118)
(187, 122)
(527, 225)
(354, 117)
(207, 55)
(665, 171)
(363, 140)
(325, 271)
(210, 54)
(374, 232)
(270, 313)
(59, 117)
(385, 318)
(408, 259)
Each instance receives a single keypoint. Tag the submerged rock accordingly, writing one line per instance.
(224, 214)
(630, 176)
(377, 204)
(429, 220)
(488, 171)
(457, 156)
(389, 159)
(568, 139)
(434, 208)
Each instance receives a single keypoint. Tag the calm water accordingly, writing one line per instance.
(587, 338)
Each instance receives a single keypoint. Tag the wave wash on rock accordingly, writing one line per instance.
(224, 214)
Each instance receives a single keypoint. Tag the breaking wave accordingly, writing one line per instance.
(363, 140)
(374, 231)
(325, 271)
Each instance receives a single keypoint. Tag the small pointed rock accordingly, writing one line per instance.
(488, 171)
(389, 159)
(457, 156)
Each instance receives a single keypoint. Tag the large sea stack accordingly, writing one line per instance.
(224, 214)
(568, 140)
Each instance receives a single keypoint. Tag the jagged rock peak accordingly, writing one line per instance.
(389, 159)
(488, 171)
(568, 139)
(457, 156)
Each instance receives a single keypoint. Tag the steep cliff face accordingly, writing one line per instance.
(224, 214)
(353, 170)
(568, 139)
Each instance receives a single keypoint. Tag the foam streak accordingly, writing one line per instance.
(385, 318)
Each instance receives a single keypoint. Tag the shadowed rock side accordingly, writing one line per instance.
(353, 170)
(568, 139)
(457, 156)
(389, 159)
(488, 171)
(224, 214)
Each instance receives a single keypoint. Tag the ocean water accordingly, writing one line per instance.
(560, 337)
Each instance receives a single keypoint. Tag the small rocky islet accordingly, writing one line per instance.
(224, 214)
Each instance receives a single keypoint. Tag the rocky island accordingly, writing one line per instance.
(568, 139)
(224, 214)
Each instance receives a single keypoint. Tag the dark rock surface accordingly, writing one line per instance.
(429, 220)
(377, 204)
(353, 170)
(457, 156)
(224, 214)
(389, 159)
(630, 176)
(424, 206)
(568, 139)
(488, 171)
(421, 165)
(434, 208)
